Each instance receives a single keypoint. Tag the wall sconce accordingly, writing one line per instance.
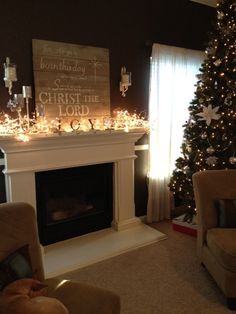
(19, 100)
(125, 81)
(9, 74)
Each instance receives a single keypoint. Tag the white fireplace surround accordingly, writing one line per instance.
(24, 159)
(49, 152)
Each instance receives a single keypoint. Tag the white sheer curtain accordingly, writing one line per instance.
(172, 86)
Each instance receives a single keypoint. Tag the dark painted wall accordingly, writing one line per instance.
(127, 28)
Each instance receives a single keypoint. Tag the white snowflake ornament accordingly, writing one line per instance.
(211, 161)
(208, 114)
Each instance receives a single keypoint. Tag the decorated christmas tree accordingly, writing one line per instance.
(210, 133)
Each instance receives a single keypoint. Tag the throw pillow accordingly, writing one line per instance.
(15, 266)
(19, 298)
(226, 213)
(29, 287)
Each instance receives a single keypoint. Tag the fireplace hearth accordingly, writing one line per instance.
(74, 201)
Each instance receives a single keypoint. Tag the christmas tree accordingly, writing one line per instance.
(210, 133)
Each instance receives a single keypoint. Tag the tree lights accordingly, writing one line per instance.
(210, 133)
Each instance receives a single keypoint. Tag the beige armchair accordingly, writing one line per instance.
(216, 245)
(18, 227)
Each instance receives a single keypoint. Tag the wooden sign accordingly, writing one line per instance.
(71, 81)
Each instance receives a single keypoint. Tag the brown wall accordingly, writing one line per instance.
(125, 27)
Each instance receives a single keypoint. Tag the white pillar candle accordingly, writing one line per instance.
(126, 79)
(10, 73)
(26, 91)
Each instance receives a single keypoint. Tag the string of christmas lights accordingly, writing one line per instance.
(22, 129)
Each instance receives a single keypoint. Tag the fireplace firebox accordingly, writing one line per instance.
(74, 201)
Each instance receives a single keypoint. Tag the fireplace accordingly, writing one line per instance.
(60, 151)
(24, 160)
(73, 201)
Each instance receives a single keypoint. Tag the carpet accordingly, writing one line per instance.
(164, 277)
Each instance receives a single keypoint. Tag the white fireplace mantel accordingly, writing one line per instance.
(42, 153)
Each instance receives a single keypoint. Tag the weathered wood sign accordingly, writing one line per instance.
(71, 81)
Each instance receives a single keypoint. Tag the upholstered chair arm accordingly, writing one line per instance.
(207, 189)
(18, 226)
(82, 298)
(206, 216)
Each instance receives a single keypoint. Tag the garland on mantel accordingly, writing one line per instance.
(21, 128)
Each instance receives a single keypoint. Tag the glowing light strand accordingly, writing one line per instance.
(19, 128)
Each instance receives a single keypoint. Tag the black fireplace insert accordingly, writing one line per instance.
(74, 201)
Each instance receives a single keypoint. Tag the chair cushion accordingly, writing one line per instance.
(20, 297)
(226, 213)
(15, 266)
(221, 242)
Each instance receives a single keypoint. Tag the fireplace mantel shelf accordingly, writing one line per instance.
(50, 152)
(37, 142)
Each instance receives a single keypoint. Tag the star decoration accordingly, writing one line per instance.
(209, 114)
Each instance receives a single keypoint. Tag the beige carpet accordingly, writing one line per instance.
(164, 277)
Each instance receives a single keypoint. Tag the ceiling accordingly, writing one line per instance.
(211, 3)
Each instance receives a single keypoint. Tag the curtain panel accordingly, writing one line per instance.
(172, 83)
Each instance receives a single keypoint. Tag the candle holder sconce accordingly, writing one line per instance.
(9, 74)
(27, 94)
(125, 81)
(19, 100)
(16, 104)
